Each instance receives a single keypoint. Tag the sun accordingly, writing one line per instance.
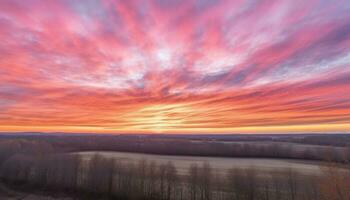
(159, 118)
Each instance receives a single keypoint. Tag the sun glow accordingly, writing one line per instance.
(159, 117)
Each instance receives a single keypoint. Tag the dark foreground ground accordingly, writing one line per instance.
(11, 194)
(36, 166)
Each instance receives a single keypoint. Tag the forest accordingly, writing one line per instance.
(309, 147)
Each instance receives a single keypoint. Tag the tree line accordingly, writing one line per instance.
(173, 146)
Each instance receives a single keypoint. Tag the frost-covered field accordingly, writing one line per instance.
(218, 164)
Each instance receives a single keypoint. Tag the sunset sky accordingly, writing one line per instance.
(175, 66)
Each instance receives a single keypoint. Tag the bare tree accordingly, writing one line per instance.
(142, 173)
(235, 180)
(162, 180)
(193, 181)
(291, 176)
(110, 175)
(277, 184)
(251, 183)
(205, 179)
(171, 179)
(266, 187)
(152, 181)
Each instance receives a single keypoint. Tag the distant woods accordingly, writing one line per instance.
(290, 147)
(37, 165)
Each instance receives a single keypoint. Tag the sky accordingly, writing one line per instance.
(175, 66)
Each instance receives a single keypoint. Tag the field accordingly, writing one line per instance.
(219, 164)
